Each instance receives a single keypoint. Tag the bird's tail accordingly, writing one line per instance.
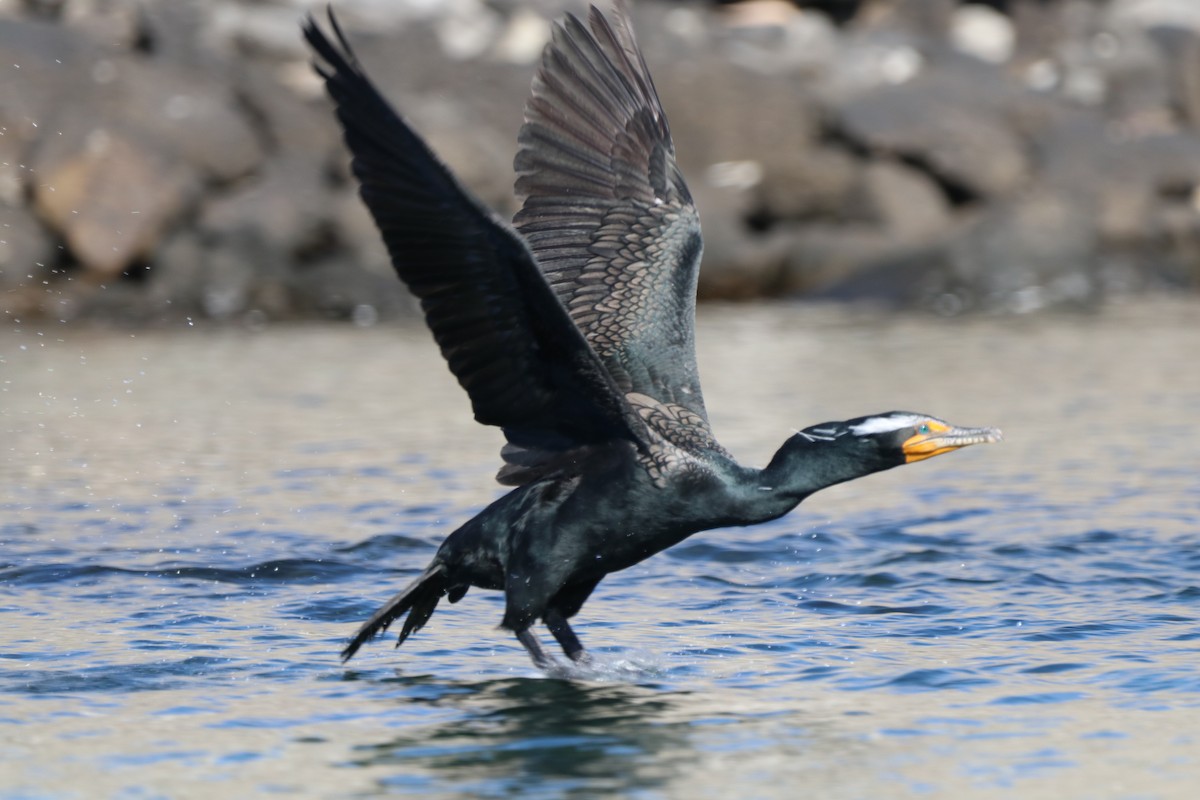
(418, 599)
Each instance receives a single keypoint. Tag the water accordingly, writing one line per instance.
(192, 522)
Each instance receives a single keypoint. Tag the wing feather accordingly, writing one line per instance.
(506, 337)
(607, 214)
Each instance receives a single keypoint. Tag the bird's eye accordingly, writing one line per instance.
(923, 429)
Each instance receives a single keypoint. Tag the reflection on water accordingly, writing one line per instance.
(513, 736)
(192, 522)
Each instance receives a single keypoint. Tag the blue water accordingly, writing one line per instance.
(1024, 617)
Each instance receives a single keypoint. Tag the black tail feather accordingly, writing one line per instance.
(419, 599)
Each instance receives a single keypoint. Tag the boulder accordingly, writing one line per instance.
(814, 181)
(117, 24)
(285, 209)
(254, 236)
(908, 204)
(292, 127)
(949, 123)
(133, 141)
(723, 111)
(737, 262)
(27, 251)
(355, 230)
(1032, 251)
(341, 289)
(924, 18)
(1155, 13)
(175, 281)
(45, 71)
(824, 257)
(983, 32)
(186, 114)
(181, 31)
(112, 199)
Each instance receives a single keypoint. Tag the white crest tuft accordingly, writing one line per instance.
(892, 422)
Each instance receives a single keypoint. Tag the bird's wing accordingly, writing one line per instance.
(508, 340)
(607, 214)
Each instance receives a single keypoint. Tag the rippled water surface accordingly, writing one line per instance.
(192, 522)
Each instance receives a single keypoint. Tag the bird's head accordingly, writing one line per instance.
(898, 437)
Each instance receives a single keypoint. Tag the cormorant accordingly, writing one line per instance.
(572, 331)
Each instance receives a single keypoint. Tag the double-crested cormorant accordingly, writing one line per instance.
(572, 330)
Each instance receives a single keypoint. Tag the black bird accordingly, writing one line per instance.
(572, 330)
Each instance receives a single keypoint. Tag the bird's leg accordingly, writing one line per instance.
(566, 637)
(534, 648)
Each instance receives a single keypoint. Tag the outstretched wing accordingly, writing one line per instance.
(608, 216)
(510, 343)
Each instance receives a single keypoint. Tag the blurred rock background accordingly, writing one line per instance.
(163, 160)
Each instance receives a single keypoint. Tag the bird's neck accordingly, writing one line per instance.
(800, 468)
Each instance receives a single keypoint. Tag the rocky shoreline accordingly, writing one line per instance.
(162, 160)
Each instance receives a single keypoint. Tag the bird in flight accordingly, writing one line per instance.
(572, 330)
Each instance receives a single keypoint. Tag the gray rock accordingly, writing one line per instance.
(254, 237)
(1155, 13)
(949, 123)
(292, 127)
(816, 181)
(468, 110)
(244, 276)
(1123, 179)
(1138, 80)
(175, 281)
(1182, 52)
(15, 175)
(27, 251)
(256, 30)
(907, 203)
(46, 70)
(285, 210)
(1038, 250)
(356, 231)
(866, 262)
(825, 259)
(183, 112)
(868, 62)
(179, 31)
(737, 262)
(342, 289)
(726, 112)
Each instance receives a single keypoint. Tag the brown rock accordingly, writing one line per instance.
(112, 200)
(923, 17)
(114, 23)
